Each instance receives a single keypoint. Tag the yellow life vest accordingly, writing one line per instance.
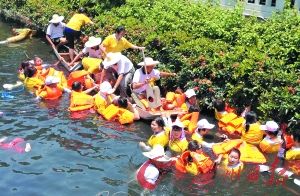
(219, 115)
(161, 138)
(196, 136)
(269, 146)
(80, 101)
(33, 83)
(293, 154)
(254, 135)
(178, 146)
(251, 154)
(125, 116)
(111, 112)
(100, 104)
(91, 65)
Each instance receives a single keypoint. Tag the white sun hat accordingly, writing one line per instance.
(189, 93)
(56, 18)
(157, 153)
(148, 61)
(204, 124)
(51, 80)
(93, 41)
(178, 123)
(111, 59)
(271, 126)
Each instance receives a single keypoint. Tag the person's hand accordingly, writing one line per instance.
(142, 48)
(142, 144)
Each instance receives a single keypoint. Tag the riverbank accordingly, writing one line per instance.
(219, 52)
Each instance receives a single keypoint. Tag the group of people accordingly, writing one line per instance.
(110, 84)
(175, 148)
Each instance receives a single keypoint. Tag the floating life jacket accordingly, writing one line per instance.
(124, 116)
(268, 145)
(231, 123)
(226, 146)
(49, 93)
(251, 154)
(293, 154)
(80, 101)
(91, 65)
(100, 104)
(161, 138)
(201, 163)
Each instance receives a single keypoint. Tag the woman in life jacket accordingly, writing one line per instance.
(178, 142)
(271, 143)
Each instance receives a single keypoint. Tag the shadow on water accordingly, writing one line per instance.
(83, 154)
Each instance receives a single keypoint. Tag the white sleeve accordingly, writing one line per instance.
(121, 66)
(156, 73)
(49, 29)
(207, 145)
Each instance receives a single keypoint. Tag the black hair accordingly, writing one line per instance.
(251, 118)
(193, 146)
(24, 64)
(296, 136)
(119, 29)
(193, 109)
(219, 105)
(123, 102)
(275, 133)
(76, 86)
(30, 71)
(81, 10)
(173, 117)
(236, 150)
(159, 121)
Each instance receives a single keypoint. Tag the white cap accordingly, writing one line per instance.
(51, 80)
(105, 87)
(204, 124)
(157, 151)
(111, 59)
(178, 123)
(151, 174)
(271, 126)
(93, 41)
(189, 93)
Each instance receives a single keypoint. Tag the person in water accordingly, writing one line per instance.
(191, 100)
(177, 142)
(160, 135)
(203, 127)
(251, 132)
(271, 143)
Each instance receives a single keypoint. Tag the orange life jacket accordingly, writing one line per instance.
(51, 92)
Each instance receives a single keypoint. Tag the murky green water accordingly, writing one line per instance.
(85, 156)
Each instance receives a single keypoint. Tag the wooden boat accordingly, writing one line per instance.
(65, 58)
(149, 115)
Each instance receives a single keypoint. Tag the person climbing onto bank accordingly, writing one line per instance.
(117, 42)
(73, 29)
(55, 31)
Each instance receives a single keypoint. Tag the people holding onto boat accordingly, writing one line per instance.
(294, 152)
(92, 48)
(117, 42)
(55, 31)
(203, 127)
(51, 90)
(194, 161)
(73, 29)
(271, 143)
(124, 68)
(251, 132)
(160, 135)
(143, 82)
(80, 100)
(152, 170)
(191, 100)
(177, 141)
(32, 80)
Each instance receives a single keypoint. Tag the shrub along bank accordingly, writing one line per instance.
(219, 52)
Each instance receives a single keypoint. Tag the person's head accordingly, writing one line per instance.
(219, 105)
(149, 63)
(37, 61)
(81, 10)
(77, 86)
(123, 102)
(157, 125)
(191, 96)
(204, 126)
(120, 32)
(234, 157)
(177, 131)
(193, 109)
(30, 71)
(173, 117)
(56, 19)
(250, 119)
(24, 64)
(271, 128)
(194, 146)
